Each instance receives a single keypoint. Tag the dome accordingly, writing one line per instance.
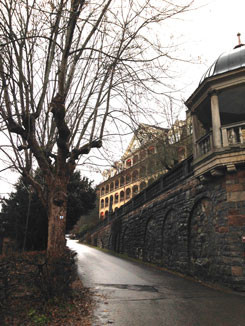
(228, 61)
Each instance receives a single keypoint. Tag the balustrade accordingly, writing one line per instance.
(233, 134)
(204, 144)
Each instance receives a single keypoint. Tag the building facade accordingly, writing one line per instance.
(152, 152)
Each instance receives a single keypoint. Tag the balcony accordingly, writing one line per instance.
(232, 135)
(210, 159)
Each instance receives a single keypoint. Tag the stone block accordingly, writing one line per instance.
(235, 196)
(242, 181)
(236, 220)
(230, 182)
(222, 229)
(234, 187)
(233, 211)
(237, 271)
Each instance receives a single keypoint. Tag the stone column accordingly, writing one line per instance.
(194, 134)
(216, 124)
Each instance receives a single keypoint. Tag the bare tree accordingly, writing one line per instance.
(68, 69)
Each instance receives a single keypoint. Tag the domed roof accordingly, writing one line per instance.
(228, 61)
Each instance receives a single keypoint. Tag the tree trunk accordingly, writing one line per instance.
(57, 209)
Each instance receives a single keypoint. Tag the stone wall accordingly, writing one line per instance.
(191, 227)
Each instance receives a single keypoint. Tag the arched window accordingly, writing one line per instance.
(150, 181)
(102, 203)
(143, 171)
(112, 186)
(158, 164)
(122, 181)
(107, 189)
(135, 175)
(106, 213)
(116, 184)
(142, 154)
(151, 150)
(128, 178)
(135, 159)
(122, 196)
(150, 167)
(106, 202)
(128, 163)
(116, 197)
(128, 193)
(135, 189)
(142, 185)
(102, 191)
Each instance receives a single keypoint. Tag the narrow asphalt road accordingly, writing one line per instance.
(132, 294)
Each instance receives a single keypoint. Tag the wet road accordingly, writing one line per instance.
(132, 294)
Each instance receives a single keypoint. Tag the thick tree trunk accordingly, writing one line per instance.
(57, 209)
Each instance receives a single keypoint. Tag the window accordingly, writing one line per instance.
(135, 189)
(142, 185)
(151, 150)
(135, 175)
(106, 202)
(116, 197)
(102, 191)
(122, 181)
(150, 181)
(143, 171)
(142, 154)
(112, 186)
(128, 163)
(128, 178)
(122, 196)
(102, 203)
(128, 193)
(107, 189)
(135, 159)
(116, 184)
(111, 200)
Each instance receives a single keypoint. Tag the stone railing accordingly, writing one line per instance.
(233, 134)
(204, 144)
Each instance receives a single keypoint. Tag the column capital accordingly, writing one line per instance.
(213, 92)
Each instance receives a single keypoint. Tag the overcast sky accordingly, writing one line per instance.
(210, 31)
(206, 33)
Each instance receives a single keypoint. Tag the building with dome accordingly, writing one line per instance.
(192, 218)
(217, 108)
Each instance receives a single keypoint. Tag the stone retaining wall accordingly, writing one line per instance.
(192, 227)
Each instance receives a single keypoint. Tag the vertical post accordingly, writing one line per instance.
(194, 135)
(225, 137)
(216, 124)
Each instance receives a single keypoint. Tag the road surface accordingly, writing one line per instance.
(133, 294)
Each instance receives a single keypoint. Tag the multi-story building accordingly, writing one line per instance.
(151, 153)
